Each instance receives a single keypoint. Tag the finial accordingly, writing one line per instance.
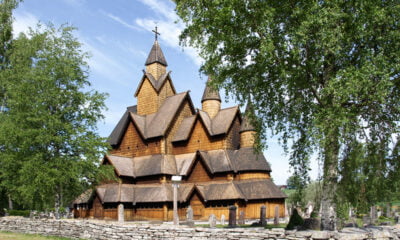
(156, 33)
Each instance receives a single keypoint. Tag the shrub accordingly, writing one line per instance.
(23, 213)
(294, 221)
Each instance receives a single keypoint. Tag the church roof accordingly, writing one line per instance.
(209, 191)
(246, 123)
(84, 197)
(156, 83)
(218, 125)
(156, 55)
(216, 161)
(151, 125)
(113, 193)
(210, 93)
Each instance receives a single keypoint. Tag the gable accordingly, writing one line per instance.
(199, 140)
(183, 112)
(132, 144)
(199, 173)
(147, 98)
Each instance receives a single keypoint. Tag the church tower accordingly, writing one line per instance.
(211, 101)
(156, 84)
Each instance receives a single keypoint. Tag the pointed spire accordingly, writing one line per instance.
(246, 123)
(210, 93)
(156, 55)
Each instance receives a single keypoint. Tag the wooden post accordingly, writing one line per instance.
(165, 212)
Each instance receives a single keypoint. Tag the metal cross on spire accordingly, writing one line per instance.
(156, 33)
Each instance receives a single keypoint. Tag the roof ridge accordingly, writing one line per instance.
(233, 166)
(239, 191)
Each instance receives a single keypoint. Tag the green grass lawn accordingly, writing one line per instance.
(20, 236)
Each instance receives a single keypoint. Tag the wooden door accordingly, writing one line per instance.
(197, 206)
(98, 208)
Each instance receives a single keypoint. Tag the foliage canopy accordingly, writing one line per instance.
(49, 146)
(323, 74)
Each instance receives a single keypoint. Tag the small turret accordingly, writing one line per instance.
(247, 130)
(211, 101)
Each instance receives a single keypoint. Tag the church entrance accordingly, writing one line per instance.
(197, 206)
(98, 208)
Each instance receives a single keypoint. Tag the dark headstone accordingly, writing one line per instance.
(232, 216)
(350, 225)
(263, 220)
(311, 224)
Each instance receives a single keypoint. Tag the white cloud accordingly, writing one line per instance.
(167, 26)
(161, 8)
(119, 20)
(104, 64)
(75, 3)
(22, 22)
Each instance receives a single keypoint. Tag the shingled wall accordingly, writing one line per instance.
(132, 144)
(84, 229)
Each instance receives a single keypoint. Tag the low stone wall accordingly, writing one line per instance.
(92, 229)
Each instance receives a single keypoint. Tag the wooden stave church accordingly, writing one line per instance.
(164, 135)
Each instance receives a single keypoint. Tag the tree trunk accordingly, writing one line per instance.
(10, 203)
(328, 204)
(57, 203)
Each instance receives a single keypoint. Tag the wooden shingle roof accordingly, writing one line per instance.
(155, 83)
(216, 161)
(246, 123)
(209, 191)
(156, 55)
(218, 125)
(210, 93)
(114, 193)
(151, 125)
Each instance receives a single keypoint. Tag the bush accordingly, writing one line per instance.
(294, 221)
(23, 213)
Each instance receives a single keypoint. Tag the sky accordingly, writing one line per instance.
(118, 35)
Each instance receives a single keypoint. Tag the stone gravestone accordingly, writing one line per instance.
(121, 212)
(241, 219)
(373, 215)
(263, 220)
(222, 219)
(189, 216)
(212, 220)
(232, 216)
(276, 218)
(388, 210)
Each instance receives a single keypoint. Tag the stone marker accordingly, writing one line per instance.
(263, 210)
(373, 214)
(222, 219)
(276, 218)
(241, 218)
(121, 212)
(212, 220)
(232, 216)
(388, 210)
(189, 216)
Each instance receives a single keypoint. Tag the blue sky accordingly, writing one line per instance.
(118, 36)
